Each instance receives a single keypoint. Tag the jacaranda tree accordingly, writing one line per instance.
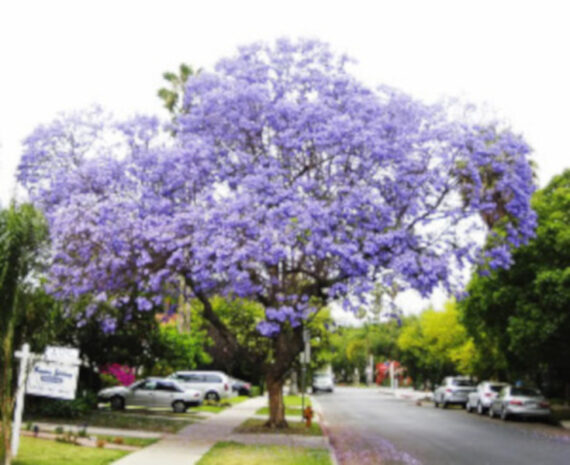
(285, 181)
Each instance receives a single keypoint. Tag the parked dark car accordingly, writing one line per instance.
(242, 388)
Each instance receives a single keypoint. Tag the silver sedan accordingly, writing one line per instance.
(152, 392)
(519, 401)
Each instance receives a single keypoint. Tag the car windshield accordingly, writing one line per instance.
(496, 387)
(462, 382)
(524, 392)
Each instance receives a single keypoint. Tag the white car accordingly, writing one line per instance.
(151, 392)
(214, 385)
(323, 382)
(482, 398)
(453, 390)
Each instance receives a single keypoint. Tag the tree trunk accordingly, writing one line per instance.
(6, 396)
(286, 347)
(276, 405)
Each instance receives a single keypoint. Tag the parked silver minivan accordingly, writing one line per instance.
(215, 385)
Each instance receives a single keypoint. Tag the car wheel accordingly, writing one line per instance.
(480, 409)
(117, 403)
(444, 404)
(491, 412)
(179, 407)
(504, 414)
(212, 396)
(468, 408)
(435, 403)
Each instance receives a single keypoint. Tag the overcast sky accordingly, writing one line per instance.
(510, 56)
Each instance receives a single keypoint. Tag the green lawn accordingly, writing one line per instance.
(288, 411)
(209, 408)
(237, 399)
(253, 425)
(295, 401)
(44, 452)
(124, 420)
(225, 403)
(129, 441)
(292, 406)
(232, 453)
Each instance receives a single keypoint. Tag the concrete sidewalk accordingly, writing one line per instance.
(192, 442)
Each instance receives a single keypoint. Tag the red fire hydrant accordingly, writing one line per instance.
(308, 415)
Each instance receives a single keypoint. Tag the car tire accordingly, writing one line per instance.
(179, 407)
(444, 404)
(491, 412)
(468, 408)
(504, 414)
(435, 403)
(480, 409)
(212, 396)
(117, 403)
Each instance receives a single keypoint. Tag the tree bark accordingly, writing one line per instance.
(276, 405)
(286, 347)
(6, 396)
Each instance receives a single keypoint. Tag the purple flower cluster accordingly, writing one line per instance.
(287, 181)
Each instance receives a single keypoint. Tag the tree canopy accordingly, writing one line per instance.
(285, 181)
(289, 180)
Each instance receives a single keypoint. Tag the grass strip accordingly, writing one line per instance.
(35, 451)
(128, 441)
(257, 426)
(122, 420)
(288, 411)
(233, 453)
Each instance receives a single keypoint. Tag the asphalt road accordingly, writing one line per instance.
(367, 427)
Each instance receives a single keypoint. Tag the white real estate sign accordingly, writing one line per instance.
(53, 374)
(52, 380)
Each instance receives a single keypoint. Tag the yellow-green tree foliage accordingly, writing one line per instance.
(436, 344)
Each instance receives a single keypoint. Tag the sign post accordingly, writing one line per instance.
(305, 360)
(24, 356)
(53, 374)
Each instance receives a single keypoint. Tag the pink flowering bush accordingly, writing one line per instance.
(124, 375)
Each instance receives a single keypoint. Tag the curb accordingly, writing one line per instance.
(325, 429)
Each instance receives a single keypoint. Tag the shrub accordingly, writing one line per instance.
(57, 408)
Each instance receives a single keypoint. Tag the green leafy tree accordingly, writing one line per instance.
(435, 344)
(524, 310)
(172, 96)
(352, 346)
(23, 236)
